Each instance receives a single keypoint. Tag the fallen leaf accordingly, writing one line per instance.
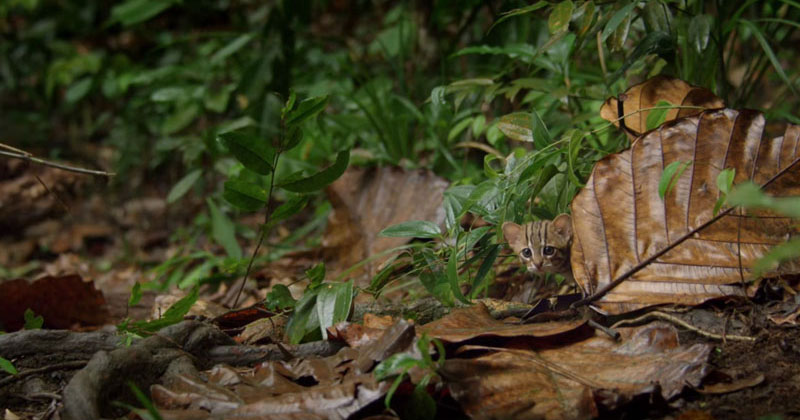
(64, 302)
(620, 222)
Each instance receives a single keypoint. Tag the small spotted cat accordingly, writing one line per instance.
(542, 246)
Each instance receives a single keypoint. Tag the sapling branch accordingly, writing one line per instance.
(265, 228)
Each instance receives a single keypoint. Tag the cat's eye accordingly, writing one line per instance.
(548, 251)
(526, 253)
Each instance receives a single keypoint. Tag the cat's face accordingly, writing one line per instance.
(542, 246)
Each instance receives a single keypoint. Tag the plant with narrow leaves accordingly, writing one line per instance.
(398, 365)
(262, 156)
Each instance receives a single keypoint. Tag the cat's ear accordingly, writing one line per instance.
(513, 233)
(563, 224)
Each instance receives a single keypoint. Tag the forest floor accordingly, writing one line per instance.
(112, 248)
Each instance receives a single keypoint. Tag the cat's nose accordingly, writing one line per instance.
(533, 267)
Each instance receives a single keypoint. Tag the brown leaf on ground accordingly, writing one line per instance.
(331, 387)
(475, 322)
(647, 95)
(620, 221)
(569, 382)
(367, 200)
(357, 335)
(64, 302)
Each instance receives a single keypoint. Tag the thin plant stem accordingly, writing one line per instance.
(264, 230)
(30, 158)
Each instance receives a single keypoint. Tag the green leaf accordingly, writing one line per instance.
(245, 195)
(279, 298)
(458, 128)
(173, 315)
(656, 117)
(223, 230)
(183, 186)
(517, 126)
(541, 136)
(749, 195)
(132, 12)
(615, 20)
(232, 47)
(771, 261)
(333, 304)
(422, 405)
(32, 321)
(559, 18)
(517, 12)
(413, 229)
(289, 208)
(323, 178)
(657, 16)
(700, 32)
(78, 90)
(292, 138)
(308, 108)
(304, 319)
(136, 294)
(657, 42)
(316, 274)
(396, 364)
(254, 152)
(670, 176)
(484, 269)
(180, 118)
(7, 366)
(770, 54)
(724, 183)
(452, 276)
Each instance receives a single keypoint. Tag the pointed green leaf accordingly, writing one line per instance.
(255, 153)
(559, 18)
(517, 126)
(7, 366)
(308, 108)
(32, 321)
(304, 319)
(670, 176)
(333, 304)
(657, 116)
(452, 276)
(182, 187)
(700, 31)
(616, 19)
(279, 298)
(136, 294)
(245, 195)
(321, 179)
(517, 12)
(223, 231)
(413, 229)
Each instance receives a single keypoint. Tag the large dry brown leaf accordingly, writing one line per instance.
(569, 382)
(367, 200)
(648, 94)
(620, 221)
(475, 322)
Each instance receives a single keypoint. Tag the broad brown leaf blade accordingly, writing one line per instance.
(570, 381)
(647, 95)
(619, 220)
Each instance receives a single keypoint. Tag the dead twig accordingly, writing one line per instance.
(19, 154)
(677, 321)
